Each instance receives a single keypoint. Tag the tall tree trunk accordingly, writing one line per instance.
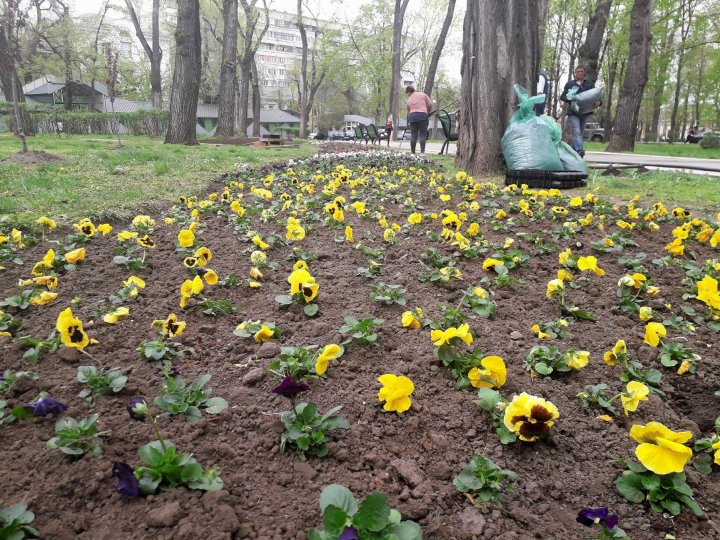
(156, 58)
(699, 87)
(228, 70)
(251, 41)
(255, 99)
(398, 18)
(243, 96)
(500, 48)
(10, 82)
(622, 138)
(660, 63)
(589, 51)
(432, 68)
(153, 53)
(303, 84)
(186, 79)
(67, 57)
(686, 18)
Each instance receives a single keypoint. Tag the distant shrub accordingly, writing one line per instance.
(710, 141)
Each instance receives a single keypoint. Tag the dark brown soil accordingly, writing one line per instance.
(413, 457)
(33, 157)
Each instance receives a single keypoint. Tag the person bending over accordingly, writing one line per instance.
(418, 107)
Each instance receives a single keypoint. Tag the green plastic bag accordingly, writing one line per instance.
(528, 140)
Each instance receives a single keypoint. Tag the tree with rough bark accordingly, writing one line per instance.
(11, 21)
(186, 78)
(625, 125)
(228, 69)
(438, 49)
(153, 53)
(303, 82)
(251, 35)
(501, 47)
(589, 51)
(398, 19)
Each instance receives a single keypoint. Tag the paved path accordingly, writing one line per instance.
(711, 166)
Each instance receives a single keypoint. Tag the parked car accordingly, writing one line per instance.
(593, 132)
(348, 134)
(335, 135)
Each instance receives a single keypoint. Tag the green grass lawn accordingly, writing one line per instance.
(664, 149)
(99, 179)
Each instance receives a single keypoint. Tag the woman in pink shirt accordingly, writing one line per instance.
(418, 107)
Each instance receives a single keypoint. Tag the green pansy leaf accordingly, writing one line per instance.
(629, 485)
(334, 519)
(339, 496)
(374, 512)
(311, 309)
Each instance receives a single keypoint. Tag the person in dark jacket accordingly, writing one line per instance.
(577, 121)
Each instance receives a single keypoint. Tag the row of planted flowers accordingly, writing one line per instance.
(309, 198)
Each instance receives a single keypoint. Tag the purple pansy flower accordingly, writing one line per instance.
(128, 485)
(591, 516)
(350, 533)
(290, 388)
(137, 408)
(47, 405)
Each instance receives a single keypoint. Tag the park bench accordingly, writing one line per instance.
(375, 135)
(449, 129)
(358, 134)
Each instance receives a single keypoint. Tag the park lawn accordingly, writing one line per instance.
(664, 149)
(98, 179)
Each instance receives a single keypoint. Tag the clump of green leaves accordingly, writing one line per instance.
(161, 351)
(306, 431)
(371, 519)
(175, 397)
(459, 363)
(483, 481)
(20, 301)
(674, 354)
(388, 294)
(439, 275)
(9, 324)
(373, 270)
(103, 382)
(296, 362)
(594, 395)
(362, 332)
(553, 329)
(665, 493)
(9, 377)
(78, 437)
(492, 402)
(214, 308)
(131, 255)
(15, 522)
(249, 328)
(547, 360)
(167, 469)
(37, 348)
(479, 301)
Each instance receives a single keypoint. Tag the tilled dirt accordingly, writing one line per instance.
(413, 457)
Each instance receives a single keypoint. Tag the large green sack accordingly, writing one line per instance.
(528, 140)
(570, 159)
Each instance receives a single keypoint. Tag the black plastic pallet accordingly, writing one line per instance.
(547, 179)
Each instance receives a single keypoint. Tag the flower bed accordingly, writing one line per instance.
(497, 362)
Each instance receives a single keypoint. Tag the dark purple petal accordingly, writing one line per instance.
(590, 516)
(48, 405)
(290, 388)
(610, 522)
(137, 408)
(128, 485)
(350, 533)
